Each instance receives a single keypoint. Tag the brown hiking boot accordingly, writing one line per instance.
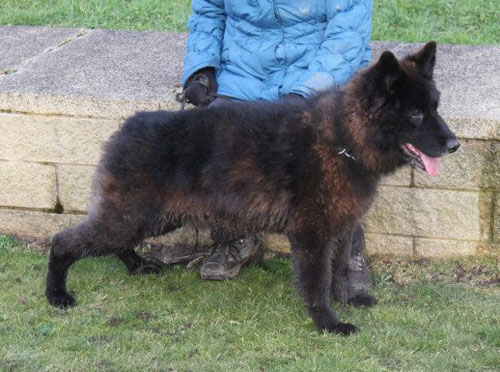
(229, 257)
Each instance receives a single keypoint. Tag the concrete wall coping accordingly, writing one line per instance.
(111, 74)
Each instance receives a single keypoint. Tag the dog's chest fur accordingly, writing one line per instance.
(346, 193)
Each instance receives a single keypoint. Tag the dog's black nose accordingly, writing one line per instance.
(452, 144)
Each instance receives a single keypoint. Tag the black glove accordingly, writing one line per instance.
(201, 87)
(294, 98)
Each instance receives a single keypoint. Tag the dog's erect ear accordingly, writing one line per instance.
(425, 58)
(389, 70)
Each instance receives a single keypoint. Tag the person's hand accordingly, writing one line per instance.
(201, 87)
(294, 98)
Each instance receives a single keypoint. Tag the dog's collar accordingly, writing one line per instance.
(344, 152)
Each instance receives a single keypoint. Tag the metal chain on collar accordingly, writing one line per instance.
(345, 153)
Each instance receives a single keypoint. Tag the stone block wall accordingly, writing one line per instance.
(49, 161)
(50, 146)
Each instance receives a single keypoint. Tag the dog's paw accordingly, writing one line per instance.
(148, 267)
(362, 300)
(344, 329)
(61, 300)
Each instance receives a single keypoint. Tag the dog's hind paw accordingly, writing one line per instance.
(61, 300)
(362, 300)
(344, 329)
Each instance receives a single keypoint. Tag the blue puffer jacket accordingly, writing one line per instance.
(264, 49)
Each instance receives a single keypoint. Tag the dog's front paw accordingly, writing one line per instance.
(61, 300)
(344, 329)
(362, 300)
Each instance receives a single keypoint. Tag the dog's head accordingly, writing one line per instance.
(408, 99)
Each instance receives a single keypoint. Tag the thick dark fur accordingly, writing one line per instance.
(252, 167)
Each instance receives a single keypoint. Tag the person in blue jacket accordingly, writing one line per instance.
(271, 50)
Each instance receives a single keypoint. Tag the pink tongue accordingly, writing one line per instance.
(431, 164)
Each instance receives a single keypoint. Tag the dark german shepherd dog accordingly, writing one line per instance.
(309, 171)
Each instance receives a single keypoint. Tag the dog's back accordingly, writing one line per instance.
(239, 162)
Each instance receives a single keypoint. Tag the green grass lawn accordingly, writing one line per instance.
(432, 316)
(447, 21)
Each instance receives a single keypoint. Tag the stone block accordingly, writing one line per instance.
(27, 185)
(492, 168)
(474, 127)
(103, 73)
(38, 225)
(444, 248)
(184, 235)
(425, 212)
(276, 242)
(42, 225)
(54, 138)
(20, 45)
(75, 186)
(375, 243)
(486, 215)
(475, 165)
(80, 140)
(27, 137)
(402, 177)
(488, 249)
(389, 244)
(47, 104)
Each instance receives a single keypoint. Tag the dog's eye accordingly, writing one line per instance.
(417, 114)
(416, 117)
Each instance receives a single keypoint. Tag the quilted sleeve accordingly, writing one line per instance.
(206, 31)
(344, 50)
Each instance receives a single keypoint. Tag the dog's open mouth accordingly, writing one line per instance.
(421, 160)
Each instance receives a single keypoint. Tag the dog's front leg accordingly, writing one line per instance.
(313, 266)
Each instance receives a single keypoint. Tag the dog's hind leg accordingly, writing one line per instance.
(137, 265)
(91, 238)
(313, 266)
